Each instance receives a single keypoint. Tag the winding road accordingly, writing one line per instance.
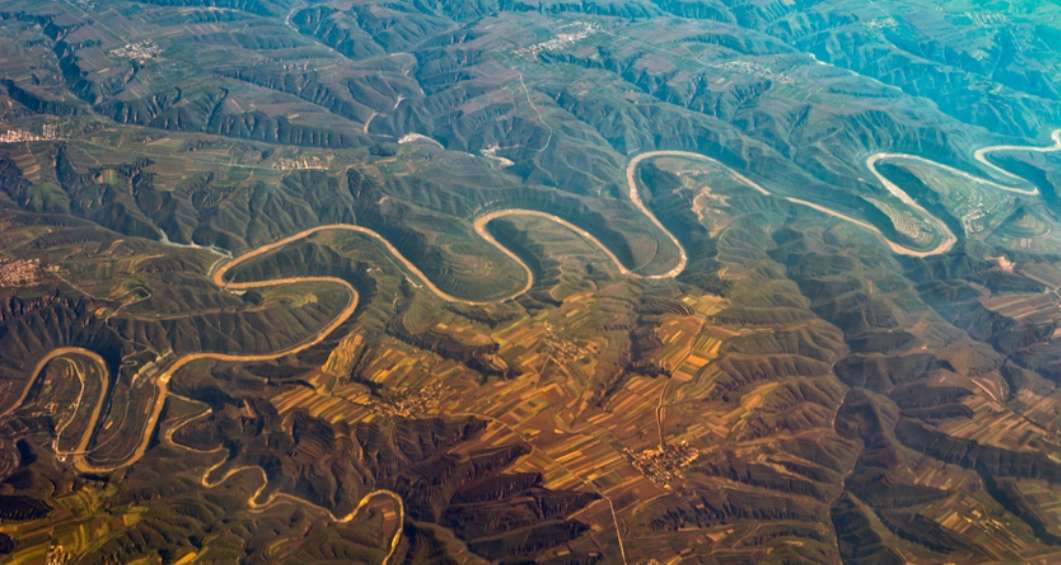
(218, 277)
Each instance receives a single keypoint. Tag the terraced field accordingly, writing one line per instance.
(603, 282)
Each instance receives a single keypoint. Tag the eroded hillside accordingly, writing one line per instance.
(529, 281)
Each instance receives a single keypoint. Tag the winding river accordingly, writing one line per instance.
(80, 455)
